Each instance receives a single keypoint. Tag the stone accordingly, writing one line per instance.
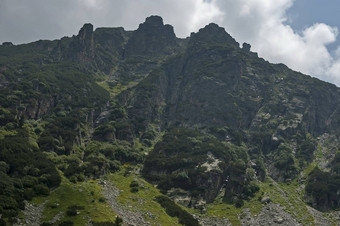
(278, 220)
(265, 200)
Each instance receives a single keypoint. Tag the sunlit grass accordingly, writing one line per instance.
(84, 194)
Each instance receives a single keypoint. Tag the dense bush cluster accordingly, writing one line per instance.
(284, 161)
(305, 149)
(61, 97)
(98, 159)
(322, 189)
(25, 172)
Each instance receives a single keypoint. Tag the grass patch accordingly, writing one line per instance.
(220, 209)
(115, 89)
(84, 195)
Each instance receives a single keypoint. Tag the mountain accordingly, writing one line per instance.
(189, 131)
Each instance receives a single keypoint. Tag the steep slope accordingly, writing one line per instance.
(227, 135)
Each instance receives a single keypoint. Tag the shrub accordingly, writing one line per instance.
(28, 194)
(134, 184)
(81, 177)
(73, 179)
(101, 199)
(239, 203)
(103, 224)
(134, 189)
(53, 205)
(66, 223)
(118, 221)
(46, 224)
(71, 211)
(2, 222)
(41, 189)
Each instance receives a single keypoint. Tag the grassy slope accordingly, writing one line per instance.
(143, 199)
(86, 194)
(221, 209)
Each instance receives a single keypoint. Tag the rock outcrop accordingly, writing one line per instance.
(152, 38)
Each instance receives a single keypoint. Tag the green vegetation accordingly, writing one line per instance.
(305, 149)
(77, 203)
(134, 186)
(173, 210)
(25, 171)
(323, 188)
(221, 209)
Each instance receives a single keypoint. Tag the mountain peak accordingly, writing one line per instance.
(155, 24)
(85, 35)
(214, 34)
(82, 45)
(87, 29)
(154, 20)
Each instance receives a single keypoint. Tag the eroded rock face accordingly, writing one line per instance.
(152, 38)
(82, 46)
(85, 36)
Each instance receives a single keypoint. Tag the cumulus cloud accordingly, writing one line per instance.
(262, 23)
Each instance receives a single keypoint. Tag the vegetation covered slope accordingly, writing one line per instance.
(201, 118)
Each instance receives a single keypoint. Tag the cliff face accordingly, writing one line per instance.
(214, 83)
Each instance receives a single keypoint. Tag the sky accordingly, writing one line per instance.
(303, 34)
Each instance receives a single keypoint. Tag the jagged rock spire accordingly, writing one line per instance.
(152, 38)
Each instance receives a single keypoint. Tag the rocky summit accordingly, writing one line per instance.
(116, 127)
